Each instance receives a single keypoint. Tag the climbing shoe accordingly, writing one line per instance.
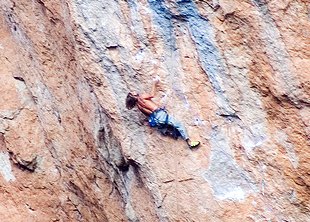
(193, 144)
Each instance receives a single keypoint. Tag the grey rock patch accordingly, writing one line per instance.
(226, 178)
(5, 167)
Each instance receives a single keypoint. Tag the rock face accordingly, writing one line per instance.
(236, 73)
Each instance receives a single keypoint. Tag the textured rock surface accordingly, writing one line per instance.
(236, 73)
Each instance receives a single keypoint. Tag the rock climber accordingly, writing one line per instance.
(157, 116)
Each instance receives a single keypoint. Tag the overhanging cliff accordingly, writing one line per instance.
(236, 73)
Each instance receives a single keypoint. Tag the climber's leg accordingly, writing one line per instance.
(179, 126)
(161, 119)
(183, 132)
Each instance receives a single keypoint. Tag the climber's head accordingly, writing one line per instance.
(131, 100)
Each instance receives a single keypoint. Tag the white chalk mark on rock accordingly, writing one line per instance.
(254, 136)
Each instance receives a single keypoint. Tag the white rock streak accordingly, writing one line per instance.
(5, 167)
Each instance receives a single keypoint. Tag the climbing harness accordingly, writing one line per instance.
(153, 121)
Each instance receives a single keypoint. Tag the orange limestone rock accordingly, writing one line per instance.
(235, 73)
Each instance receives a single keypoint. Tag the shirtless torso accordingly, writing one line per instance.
(146, 105)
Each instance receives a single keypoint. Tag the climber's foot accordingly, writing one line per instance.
(192, 144)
